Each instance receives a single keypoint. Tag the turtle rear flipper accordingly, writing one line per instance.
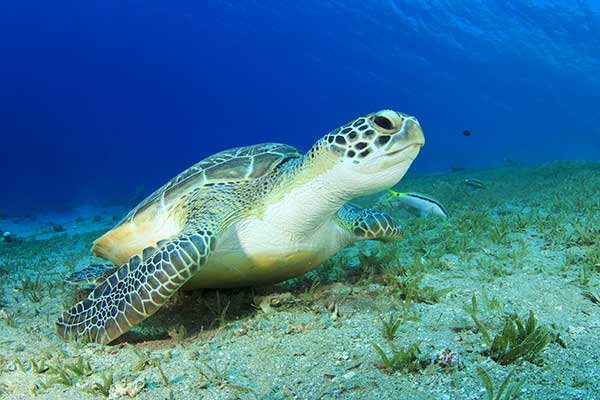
(137, 289)
(92, 275)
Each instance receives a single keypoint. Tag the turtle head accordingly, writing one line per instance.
(373, 152)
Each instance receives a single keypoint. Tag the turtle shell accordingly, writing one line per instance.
(156, 217)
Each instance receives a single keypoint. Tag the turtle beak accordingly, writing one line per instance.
(408, 140)
(413, 132)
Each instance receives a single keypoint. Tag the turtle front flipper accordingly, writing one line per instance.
(137, 289)
(368, 224)
(91, 275)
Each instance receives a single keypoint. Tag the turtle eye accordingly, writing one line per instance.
(383, 122)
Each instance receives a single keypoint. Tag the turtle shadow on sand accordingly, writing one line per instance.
(203, 313)
(190, 314)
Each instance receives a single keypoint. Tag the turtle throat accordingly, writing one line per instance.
(311, 195)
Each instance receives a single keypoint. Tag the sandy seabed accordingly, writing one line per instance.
(528, 241)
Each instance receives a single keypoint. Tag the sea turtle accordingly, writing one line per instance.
(251, 215)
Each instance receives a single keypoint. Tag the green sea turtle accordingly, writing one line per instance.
(246, 216)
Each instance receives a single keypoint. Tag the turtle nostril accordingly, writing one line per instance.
(383, 122)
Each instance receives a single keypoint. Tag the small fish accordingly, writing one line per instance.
(476, 183)
(419, 204)
(466, 132)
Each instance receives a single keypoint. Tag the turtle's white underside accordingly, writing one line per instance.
(243, 259)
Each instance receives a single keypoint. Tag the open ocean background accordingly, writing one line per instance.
(103, 99)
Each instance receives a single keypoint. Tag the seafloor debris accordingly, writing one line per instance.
(9, 237)
(475, 183)
(447, 358)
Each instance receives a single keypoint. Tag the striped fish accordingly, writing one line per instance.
(419, 204)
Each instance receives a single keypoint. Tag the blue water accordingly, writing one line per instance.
(98, 98)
